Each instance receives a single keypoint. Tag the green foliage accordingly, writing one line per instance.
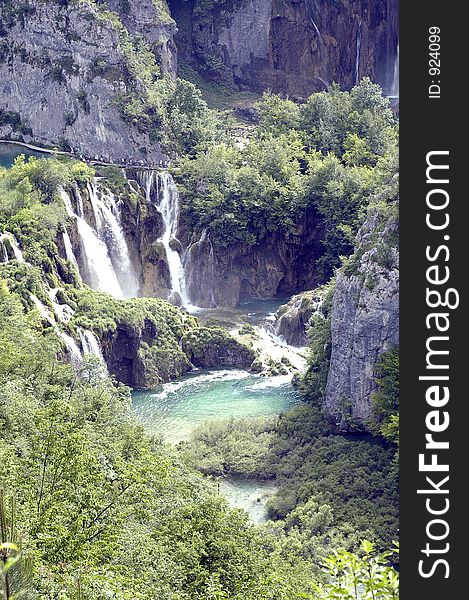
(193, 126)
(227, 447)
(277, 115)
(331, 155)
(385, 400)
(117, 182)
(103, 510)
(30, 204)
(102, 312)
(96, 498)
(206, 346)
(354, 477)
(241, 200)
(354, 577)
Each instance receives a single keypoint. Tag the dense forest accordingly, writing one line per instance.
(268, 196)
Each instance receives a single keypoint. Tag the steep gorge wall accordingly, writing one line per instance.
(292, 46)
(63, 70)
(281, 263)
(364, 321)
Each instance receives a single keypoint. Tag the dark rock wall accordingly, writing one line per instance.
(292, 46)
(281, 263)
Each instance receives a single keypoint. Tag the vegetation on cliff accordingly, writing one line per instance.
(311, 465)
(332, 154)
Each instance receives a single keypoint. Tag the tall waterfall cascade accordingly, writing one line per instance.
(199, 266)
(61, 313)
(106, 263)
(169, 208)
(160, 190)
(109, 230)
(357, 54)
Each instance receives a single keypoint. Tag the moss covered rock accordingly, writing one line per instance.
(209, 347)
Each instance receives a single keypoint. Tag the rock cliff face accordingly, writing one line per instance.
(132, 356)
(291, 320)
(135, 355)
(282, 263)
(63, 69)
(151, 20)
(291, 46)
(364, 320)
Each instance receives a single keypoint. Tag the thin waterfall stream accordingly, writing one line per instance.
(169, 208)
(395, 79)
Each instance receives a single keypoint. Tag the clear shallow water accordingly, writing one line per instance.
(8, 153)
(176, 408)
(250, 495)
(254, 312)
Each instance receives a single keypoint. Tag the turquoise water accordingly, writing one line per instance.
(8, 153)
(250, 495)
(176, 408)
(173, 410)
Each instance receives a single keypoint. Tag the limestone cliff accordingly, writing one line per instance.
(291, 319)
(281, 263)
(364, 319)
(65, 67)
(290, 46)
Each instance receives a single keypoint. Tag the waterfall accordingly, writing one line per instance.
(69, 249)
(73, 350)
(4, 257)
(91, 346)
(169, 209)
(105, 255)
(76, 357)
(110, 231)
(316, 28)
(200, 268)
(149, 178)
(89, 342)
(395, 80)
(357, 55)
(43, 310)
(8, 241)
(63, 312)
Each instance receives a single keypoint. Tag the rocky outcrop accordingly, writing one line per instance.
(64, 70)
(291, 320)
(364, 320)
(134, 356)
(137, 356)
(282, 263)
(147, 341)
(208, 347)
(291, 46)
(143, 225)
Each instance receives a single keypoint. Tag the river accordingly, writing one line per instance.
(175, 409)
